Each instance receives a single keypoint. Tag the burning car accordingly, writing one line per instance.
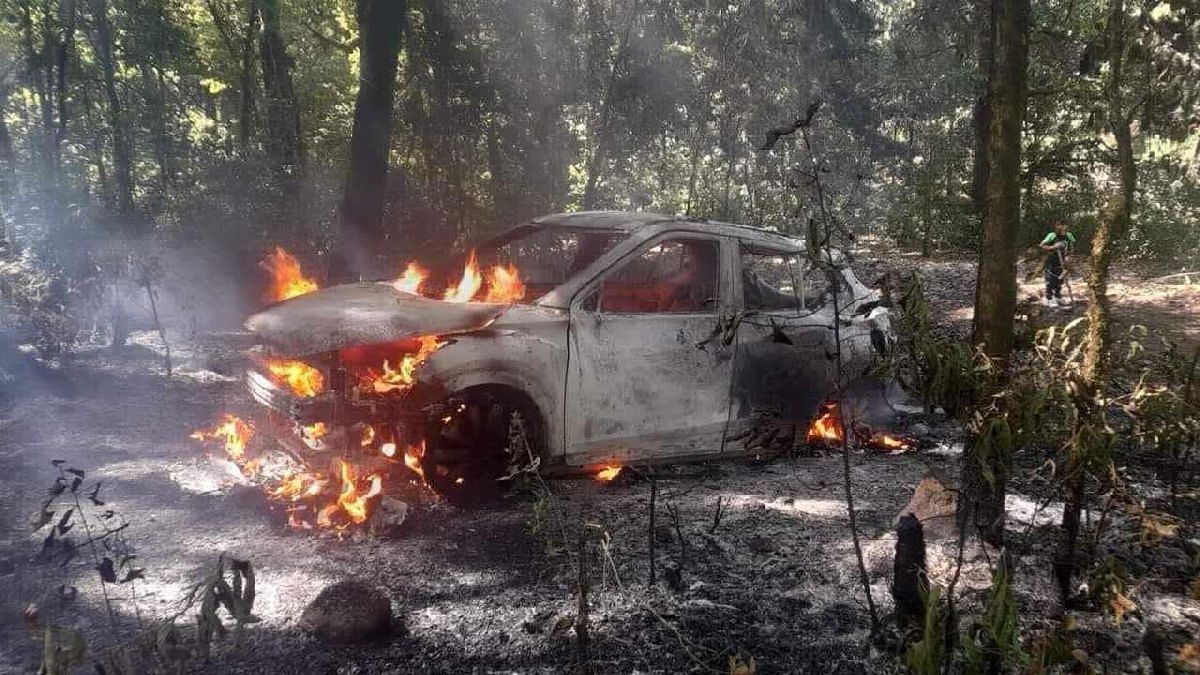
(578, 341)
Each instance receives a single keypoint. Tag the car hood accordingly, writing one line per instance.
(362, 313)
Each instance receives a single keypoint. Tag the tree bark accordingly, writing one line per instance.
(283, 140)
(122, 156)
(1113, 226)
(246, 111)
(602, 133)
(996, 291)
(996, 288)
(982, 114)
(381, 25)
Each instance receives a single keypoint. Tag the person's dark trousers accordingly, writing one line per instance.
(1054, 282)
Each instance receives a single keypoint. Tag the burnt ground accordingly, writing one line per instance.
(489, 589)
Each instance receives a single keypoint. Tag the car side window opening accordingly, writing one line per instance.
(772, 280)
(672, 276)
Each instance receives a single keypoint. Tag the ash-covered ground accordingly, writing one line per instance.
(492, 588)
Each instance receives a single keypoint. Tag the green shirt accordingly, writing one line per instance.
(1052, 238)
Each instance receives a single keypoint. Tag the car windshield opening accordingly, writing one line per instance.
(545, 257)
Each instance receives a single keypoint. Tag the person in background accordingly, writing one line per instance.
(1058, 244)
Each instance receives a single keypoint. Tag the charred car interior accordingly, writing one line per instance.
(577, 341)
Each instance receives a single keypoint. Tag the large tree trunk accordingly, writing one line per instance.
(1112, 228)
(283, 116)
(122, 156)
(996, 288)
(380, 24)
(996, 292)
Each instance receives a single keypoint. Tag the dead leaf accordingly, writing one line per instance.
(1156, 528)
(564, 622)
(1189, 657)
(1120, 605)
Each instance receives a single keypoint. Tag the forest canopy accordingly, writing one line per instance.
(230, 121)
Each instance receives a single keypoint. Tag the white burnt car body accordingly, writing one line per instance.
(641, 338)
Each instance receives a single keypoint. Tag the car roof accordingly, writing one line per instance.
(629, 222)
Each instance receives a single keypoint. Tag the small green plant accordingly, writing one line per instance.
(925, 657)
(994, 640)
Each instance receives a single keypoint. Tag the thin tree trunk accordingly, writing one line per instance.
(122, 156)
(246, 111)
(283, 115)
(602, 135)
(62, 59)
(381, 25)
(1113, 226)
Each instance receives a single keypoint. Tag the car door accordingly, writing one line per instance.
(785, 365)
(644, 379)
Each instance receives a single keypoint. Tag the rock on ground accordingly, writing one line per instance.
(348, 612)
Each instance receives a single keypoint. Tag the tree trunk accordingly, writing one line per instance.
(246, 111)
(996, 291)
(602, 133)
(982, 114)
(996, 287)
(122, 156)
(1113, 226)
(381, 25)
(283, 116)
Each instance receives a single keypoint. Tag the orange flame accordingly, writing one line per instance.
(400, 378)
(235, 434)
(315, 432)
(410, 282)
(412, 459)
(300, 377)
(608, 473)
(350, 500)
(296, 486)
(287, 280)
(505, 285)
(469, 285)
(891, 442)
(368, 436)
(827, 427)
(387, 449)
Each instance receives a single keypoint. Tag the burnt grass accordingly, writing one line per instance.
(491, 588)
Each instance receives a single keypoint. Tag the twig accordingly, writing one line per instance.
(653, 498)
(582, 638)
(838, 392)
(717, 516)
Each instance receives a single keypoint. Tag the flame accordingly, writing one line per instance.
(315, 432)
(400, 378)
(505, 285)
(410, 282)
(891, 442)
(296, 486)
(827, 427)
(469, 285)
(235, 434)
(287, 280)
(412, 459)
(388, 449)
(368, 436)
(300, 377)
(350, 500)
(608, 473)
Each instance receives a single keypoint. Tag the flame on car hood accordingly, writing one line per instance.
(363, 313)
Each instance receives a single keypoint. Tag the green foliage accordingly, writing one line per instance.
(945, 373)
(925, 657)
(996, 637)
(33, 301)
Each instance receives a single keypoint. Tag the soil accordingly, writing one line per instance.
(491, 588)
